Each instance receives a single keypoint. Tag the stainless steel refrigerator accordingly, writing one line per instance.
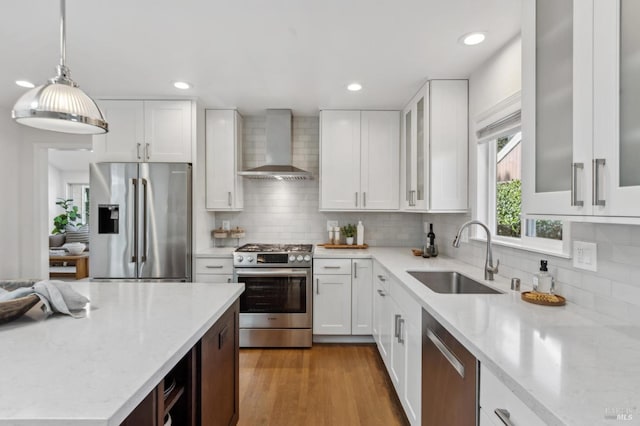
(140, 221)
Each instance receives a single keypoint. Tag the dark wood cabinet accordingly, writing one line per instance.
(203, 387)
(219, 372)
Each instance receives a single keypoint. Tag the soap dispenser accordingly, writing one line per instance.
(543, 281)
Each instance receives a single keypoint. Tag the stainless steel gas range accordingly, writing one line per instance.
(275, 308)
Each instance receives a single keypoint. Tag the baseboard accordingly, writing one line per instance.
(321, 338)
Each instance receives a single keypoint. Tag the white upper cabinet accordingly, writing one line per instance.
(616, 107)
(435, 148)
(379, 155)
(359, 161)
(579, 96)
(223, 160)
(145, 131)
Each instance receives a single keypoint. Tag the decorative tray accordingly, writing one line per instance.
(12, 309)
(546, 299)
(344, 246)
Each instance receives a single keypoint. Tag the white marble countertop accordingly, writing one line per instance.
(216, 252)
(568, 364)
(96, 370)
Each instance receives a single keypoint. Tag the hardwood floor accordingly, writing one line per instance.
(326, 385)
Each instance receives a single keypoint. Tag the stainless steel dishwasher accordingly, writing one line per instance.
(449, 378)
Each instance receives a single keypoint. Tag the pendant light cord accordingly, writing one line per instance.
(63, 33)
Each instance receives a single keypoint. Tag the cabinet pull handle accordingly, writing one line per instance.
(455, 363)
(574, 179)
(331, 267)
(229, 198)
(364, 199)
(400, 328)
(504, 416)
(355, 269)
(395, 326)
(214, 266)
(221, 337)
(356, 199)
(147, 151)
(317, 285)
(382, 278)
(597, 162)
(381, 293)
(138, 151)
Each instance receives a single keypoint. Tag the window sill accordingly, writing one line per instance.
(520, 246)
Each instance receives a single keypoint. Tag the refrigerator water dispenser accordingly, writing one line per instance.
(108, 218)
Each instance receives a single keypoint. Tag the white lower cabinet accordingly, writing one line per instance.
(397, 331)
(213, 270)
(361, 297)
(342, 297)
(497, 400)
(332, 304)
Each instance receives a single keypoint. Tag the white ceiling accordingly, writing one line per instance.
(253, 54)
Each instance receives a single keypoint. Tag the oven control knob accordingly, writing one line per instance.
(239, 258)
(292, 258)
(299, 258)
(307, 258)
(250, 259)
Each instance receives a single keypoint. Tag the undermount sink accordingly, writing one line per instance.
(450, 282)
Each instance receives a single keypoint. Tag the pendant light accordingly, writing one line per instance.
(60, 105)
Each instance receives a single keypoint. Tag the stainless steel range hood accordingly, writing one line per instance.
(278, 148)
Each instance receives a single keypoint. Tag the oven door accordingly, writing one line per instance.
(275, 297)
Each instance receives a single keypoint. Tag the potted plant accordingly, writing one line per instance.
(69, 217)
(349, 232)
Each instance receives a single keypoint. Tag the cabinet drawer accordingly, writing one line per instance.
(381, 275)
(332, 266)
(214, 266)
(214, 278)
(495, 395)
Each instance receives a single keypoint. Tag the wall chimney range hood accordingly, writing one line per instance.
(278, 149)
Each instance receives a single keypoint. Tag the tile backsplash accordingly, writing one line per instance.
(613, 290)
(287, 212)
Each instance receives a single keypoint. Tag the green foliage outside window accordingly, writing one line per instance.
(508, 208)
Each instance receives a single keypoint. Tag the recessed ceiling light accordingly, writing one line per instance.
(354, 87)
(472, 39)
(182, 85)
(25, 83)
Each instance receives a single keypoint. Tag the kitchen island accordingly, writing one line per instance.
(98, 369)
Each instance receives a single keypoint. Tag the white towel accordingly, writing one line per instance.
(56, 296)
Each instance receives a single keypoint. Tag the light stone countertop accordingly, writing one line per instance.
(216, 252)
(96, 370)
(568, 364)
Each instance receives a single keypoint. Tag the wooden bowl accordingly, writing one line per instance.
(12, 309)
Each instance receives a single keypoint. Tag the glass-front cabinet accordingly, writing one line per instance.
(435, 148)
(414, 141)
(580, 102)
(616, 107)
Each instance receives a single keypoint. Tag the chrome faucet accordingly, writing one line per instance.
(489, 269)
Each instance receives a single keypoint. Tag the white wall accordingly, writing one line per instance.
(287, 212)
(56, 190)
(24, 193)
(613, 290)
(10, 214)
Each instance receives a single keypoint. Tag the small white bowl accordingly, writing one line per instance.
(75, 249)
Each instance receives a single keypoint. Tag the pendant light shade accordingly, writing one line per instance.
(60, 105)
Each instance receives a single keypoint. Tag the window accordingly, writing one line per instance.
(499, 189)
